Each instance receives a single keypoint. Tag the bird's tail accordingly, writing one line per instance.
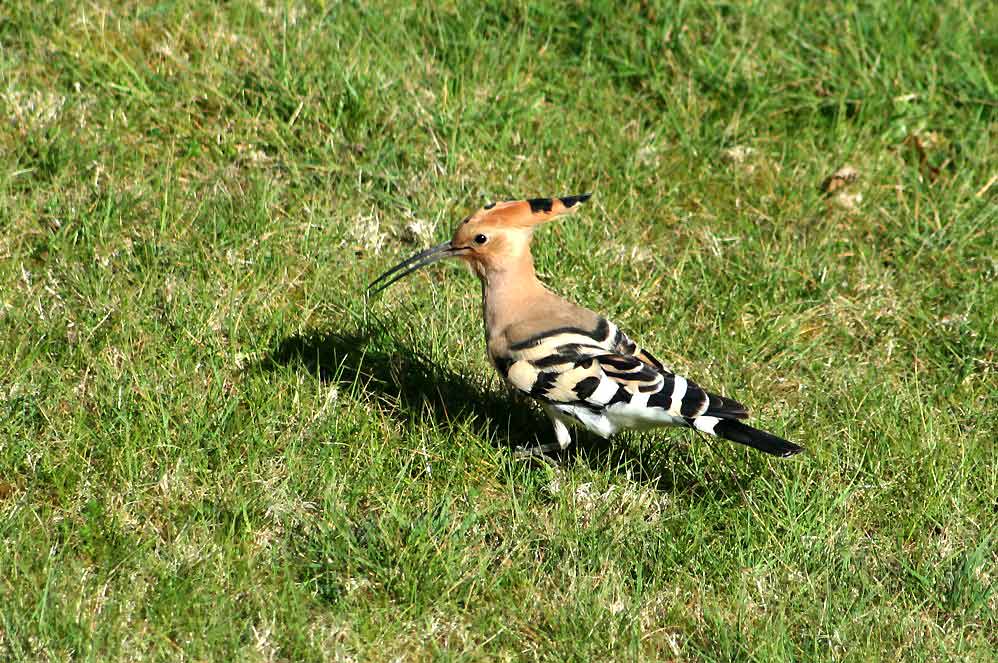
(736, 431)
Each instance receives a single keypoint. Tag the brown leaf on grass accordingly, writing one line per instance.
(924, 165)
(835, 190)
(840, 178)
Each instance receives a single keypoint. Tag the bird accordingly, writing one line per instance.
(582, 368)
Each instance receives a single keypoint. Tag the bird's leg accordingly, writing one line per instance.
(563, 438)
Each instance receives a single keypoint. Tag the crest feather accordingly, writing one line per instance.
(533, 211)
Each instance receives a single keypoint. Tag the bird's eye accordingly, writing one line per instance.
(481, 239)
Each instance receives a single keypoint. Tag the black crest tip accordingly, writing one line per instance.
(540, 204)
(572, 201)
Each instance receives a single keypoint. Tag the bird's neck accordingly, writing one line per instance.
(510, 294)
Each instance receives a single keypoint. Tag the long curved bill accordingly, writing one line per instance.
(410, 265)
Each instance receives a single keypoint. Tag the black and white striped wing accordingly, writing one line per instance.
(608, 392)
(621, 344)
(603, 382)
(565, 343)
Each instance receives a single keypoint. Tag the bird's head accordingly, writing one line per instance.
(494, 238)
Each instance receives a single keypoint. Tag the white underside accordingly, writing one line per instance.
(621, 416)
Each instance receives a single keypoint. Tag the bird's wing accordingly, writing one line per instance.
(716, 405)
(610, 391)
(600, 367)
(600, 381)
(604, 336)
(625, 346)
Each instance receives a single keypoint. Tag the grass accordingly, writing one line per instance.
(212, 448)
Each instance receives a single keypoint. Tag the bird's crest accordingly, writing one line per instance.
(530, 212)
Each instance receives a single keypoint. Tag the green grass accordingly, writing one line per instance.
(212, 448)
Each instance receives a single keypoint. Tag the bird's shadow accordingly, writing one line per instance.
(413, 387)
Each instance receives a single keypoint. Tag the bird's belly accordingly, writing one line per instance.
(618, 417)
(593, 421)
(640, 417)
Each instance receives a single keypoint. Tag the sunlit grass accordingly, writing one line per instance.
(212, 447)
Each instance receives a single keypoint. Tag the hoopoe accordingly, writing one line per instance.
(581, 367)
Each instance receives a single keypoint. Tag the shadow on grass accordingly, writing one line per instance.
(411, 385)
(414, 387)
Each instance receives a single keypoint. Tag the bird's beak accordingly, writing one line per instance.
(410, 265)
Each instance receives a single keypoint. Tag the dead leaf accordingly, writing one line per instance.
(924, 165)
(842, 177)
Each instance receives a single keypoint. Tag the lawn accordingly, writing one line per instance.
(213, 447)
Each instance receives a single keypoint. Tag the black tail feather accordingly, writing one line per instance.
(725, 408)
(736, 431)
